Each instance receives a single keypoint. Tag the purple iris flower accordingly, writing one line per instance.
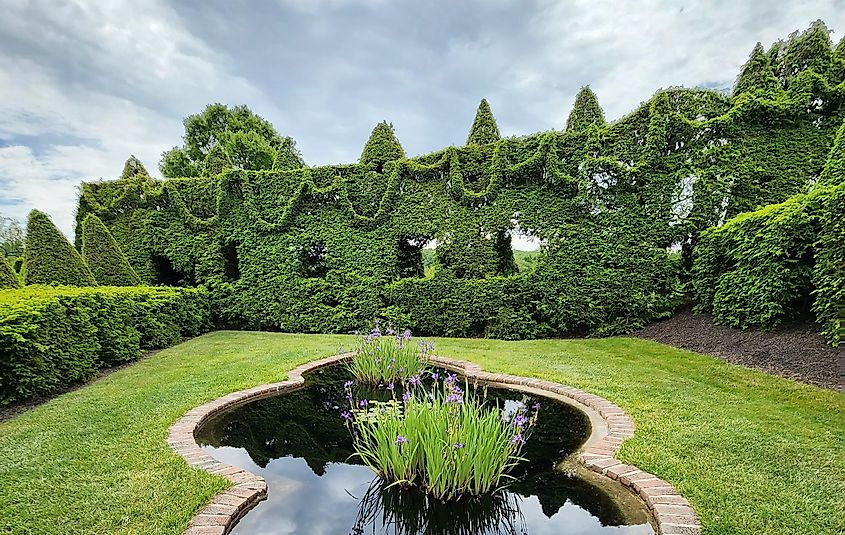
(401, 440)
(406, 397)
(346, 415)
(363, 403)
(458, 445)
(517, 439)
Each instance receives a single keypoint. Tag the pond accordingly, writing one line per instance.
(299, 444)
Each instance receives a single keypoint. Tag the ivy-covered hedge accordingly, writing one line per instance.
(763, 268)
(51, 337)
(325, 249)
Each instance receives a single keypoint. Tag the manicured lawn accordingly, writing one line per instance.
(755, 454)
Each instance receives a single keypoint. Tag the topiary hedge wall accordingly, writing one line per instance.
(618, 209)
(51, 337)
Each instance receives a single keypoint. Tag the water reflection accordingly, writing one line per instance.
(298, 443)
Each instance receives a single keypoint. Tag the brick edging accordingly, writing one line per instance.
(672, 512)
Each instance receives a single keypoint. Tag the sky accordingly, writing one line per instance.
(85, 84)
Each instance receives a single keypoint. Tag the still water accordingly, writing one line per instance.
(299, 444)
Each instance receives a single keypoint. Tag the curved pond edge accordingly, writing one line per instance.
(672, 513)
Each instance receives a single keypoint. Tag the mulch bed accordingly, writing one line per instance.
(794, 351)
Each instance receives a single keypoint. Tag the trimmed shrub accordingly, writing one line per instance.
(50, 258)
(104, 257)
(585, 112)
(484, 128)
(382, 147)
(52, 337)
(760, 268)
(8, 277)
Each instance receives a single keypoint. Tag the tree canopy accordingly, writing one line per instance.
(382, 146)
(245, 141)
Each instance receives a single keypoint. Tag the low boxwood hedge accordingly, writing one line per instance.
(56, 336)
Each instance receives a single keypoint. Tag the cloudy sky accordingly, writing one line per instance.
(85, 84)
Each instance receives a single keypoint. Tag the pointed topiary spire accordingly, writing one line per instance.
(586, 111)
(382, 147)
(104, 256)
(217, 161)
(757, 73)
(484, 129)
(811, 49)
(8, 277)
(834, 169)
(50, 258)
(837, 74)
(133, 168)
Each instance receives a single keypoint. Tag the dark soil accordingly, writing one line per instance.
(8, 412)
(794, 351)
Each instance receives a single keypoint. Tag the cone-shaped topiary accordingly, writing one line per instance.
(8, 277)
(133, 168)
(50, 258)
(382, 147)
(837, 68)
(484, 128)
(217, 161)
(585, 112)
(811, 49)
(757, 73)
(834, 169)
(103, 255)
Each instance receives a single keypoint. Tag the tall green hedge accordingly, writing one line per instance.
(766, 267)
(104, 257)
(319, 249)
(8, 277)
(52, 337)
(50, 258)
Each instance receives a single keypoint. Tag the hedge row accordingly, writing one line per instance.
(51, 337)
(769, 266)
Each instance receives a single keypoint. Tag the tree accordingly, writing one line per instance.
(50, 258)
(837, 68)
(11, 237)
(8, 277)
(106, 260)
(382, 147)
(484, 129)
(585, 112)
(834, 170)
(248, 141)
(757, 73)
(133, 168)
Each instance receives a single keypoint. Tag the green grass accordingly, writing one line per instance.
(754, 454)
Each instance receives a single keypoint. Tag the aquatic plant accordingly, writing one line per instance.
(389, 357)
(443, 441)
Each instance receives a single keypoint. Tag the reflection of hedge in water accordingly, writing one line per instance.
(607, 199)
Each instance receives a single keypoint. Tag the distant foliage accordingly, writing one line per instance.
(484, 129)
(54, 337)
(586, 112)
(619, 209)
(382, 147)
(107, 262)
(50, 258)
(12, 237)
(246, 141)
(8, 277)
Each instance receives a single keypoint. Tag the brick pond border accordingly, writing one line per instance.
(672, 513)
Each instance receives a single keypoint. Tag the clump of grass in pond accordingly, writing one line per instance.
(388, 357)
(443, 441)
